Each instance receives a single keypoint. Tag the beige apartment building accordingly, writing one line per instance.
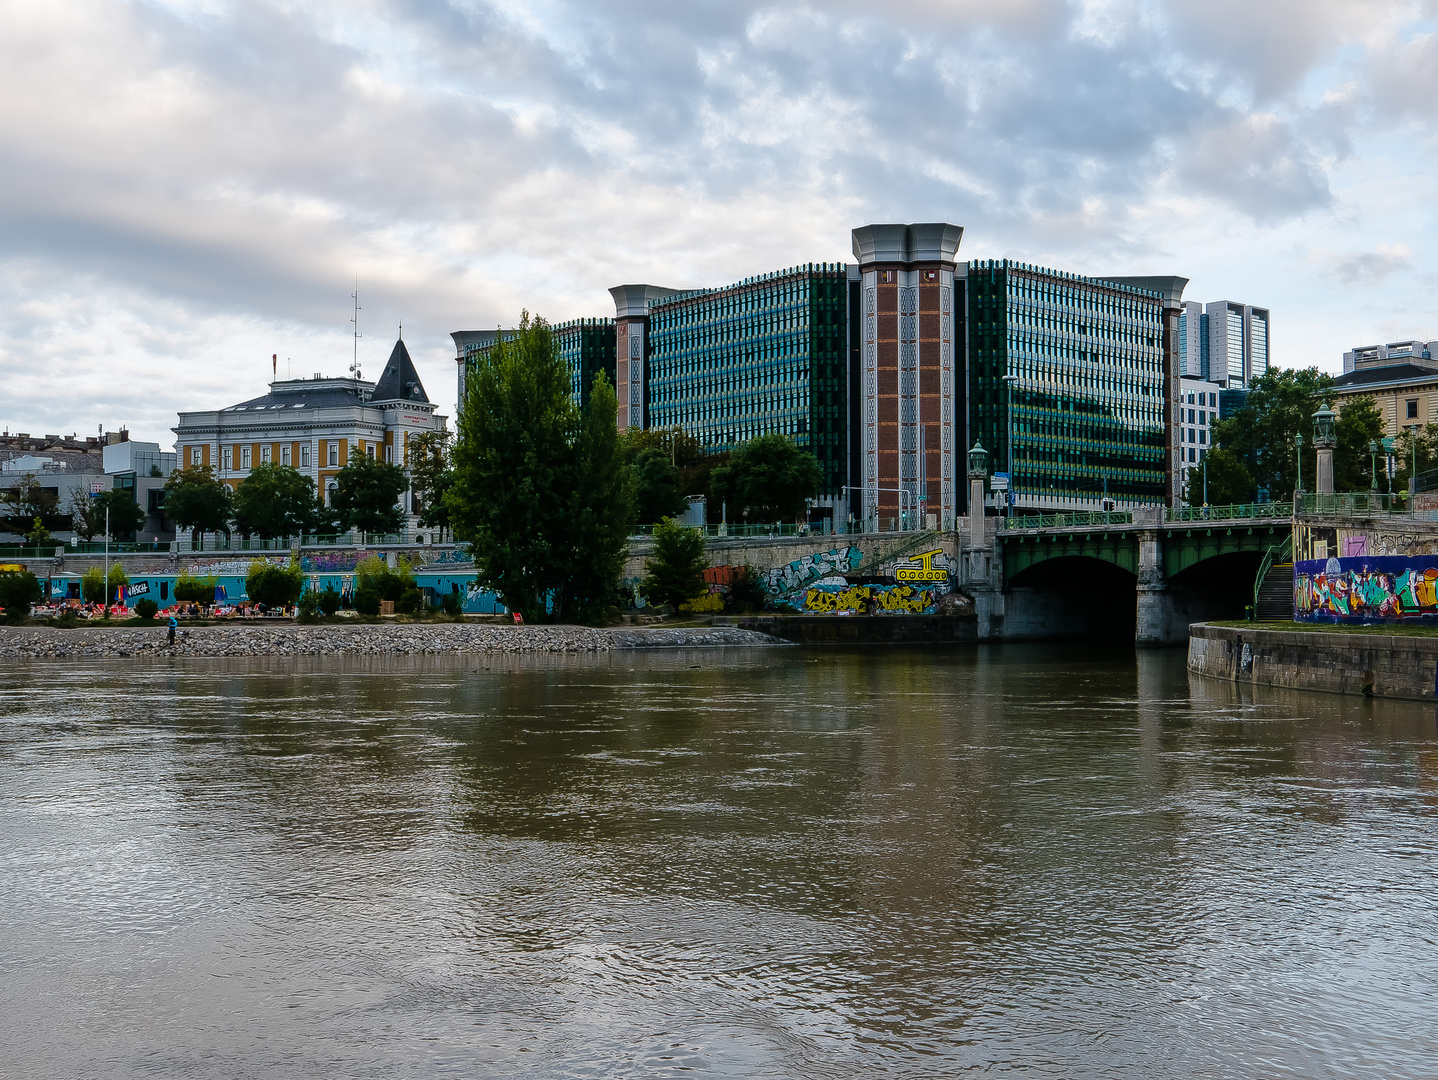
(1401, 378)
(314, 425)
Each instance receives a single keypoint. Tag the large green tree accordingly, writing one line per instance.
(656, 486)
(675, 572)
(1359, 424)
(18, 590)
(601, 510)
(367, 495)
(196, 500)
(275, 501)
(126, 517)
(523, 453)
(430, 476)
(1280, 405)
(768, 479)
(1229, 480)
(274, 585)
(25, 499)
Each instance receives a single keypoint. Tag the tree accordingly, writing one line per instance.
(274, 585)
(375, 581)
(78, 507)
(768, 479)
(1280, 405)
(25, 500)
(367, 493)
(275, 501)
(1427, 444)
(126, 517)
(38, 534)
(195, 499)
(530, 492)
(18, 590)
(1229, 480)
(428, 461)
(656, 486)
(1358, 424)
(675, 573)
(195, 590)
(601, 511)
(92, 584)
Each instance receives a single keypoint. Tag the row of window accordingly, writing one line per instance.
(242, 456)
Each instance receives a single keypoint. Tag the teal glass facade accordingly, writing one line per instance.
(765, 356)
(1088, 397)
(585, 345)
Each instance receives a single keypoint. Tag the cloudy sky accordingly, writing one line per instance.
(189, 187)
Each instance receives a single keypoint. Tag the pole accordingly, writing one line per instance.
(1205, 479)
(1413, 473)
(1011, 494)
(107, 560)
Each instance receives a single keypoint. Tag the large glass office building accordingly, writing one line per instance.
(764, 356)
(585, 345)
(1086, 357)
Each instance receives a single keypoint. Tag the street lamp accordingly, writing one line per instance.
(1011, 494)
(1373, 466)
(1413, 431)
(1298, 442)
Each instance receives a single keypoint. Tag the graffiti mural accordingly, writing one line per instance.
(338, 562)
(833, 599)
(1368, 589)
(231, 567)
(783, 580)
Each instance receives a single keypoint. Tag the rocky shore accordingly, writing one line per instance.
(364, 640)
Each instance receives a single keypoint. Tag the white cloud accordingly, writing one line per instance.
(186, 188)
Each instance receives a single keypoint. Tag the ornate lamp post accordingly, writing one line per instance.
(1298, 442)
(1373, 466)
(1413, 431)
(1324, 441)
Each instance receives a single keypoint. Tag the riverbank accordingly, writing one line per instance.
(1385, 664)
(364, 640)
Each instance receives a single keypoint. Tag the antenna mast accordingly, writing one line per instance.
(354, 366)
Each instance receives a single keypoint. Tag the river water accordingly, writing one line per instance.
(1042, 861)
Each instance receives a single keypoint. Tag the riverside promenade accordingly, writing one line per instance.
(371, 639)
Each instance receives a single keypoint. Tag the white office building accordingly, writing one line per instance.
(1195, 416)
(1224, 342)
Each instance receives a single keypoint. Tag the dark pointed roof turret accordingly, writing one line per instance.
(400, 381)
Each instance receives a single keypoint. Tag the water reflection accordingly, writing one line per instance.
(777, 863)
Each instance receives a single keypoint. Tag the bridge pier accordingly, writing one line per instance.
(1153, 622)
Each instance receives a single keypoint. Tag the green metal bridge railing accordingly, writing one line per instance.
(1074, 519)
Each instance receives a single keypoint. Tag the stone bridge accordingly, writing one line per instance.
(1094, 574)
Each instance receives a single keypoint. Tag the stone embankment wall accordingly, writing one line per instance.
(1380, 665)
(286, 639)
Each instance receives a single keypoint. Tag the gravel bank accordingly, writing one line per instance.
(363, 640)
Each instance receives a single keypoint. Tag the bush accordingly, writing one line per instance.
(409, 602)
(746, 591)
(675, 572)
(452, 604)
(92, 585)
(146, 608)
(274, 585)
(367, 600)
(18, 590)
(309, 608)
(329, 600)
(374, 574)
(195, 590)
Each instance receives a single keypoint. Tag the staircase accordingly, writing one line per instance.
(1274, 601)
(1273, 589)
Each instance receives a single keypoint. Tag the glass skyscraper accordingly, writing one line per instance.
(764, 356)
(1086, 357)
(585, 345)
(1224, 342)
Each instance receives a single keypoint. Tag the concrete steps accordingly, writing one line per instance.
(1275, 594)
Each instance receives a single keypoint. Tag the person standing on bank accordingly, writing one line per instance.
(174, 622)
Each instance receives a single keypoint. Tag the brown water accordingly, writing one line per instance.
(1025, 860)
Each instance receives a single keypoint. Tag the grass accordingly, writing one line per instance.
(1387, 629)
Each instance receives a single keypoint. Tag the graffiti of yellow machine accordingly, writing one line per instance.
(925, 571)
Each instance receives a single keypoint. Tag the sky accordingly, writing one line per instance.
(190, 188)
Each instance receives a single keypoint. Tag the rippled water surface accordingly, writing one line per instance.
(744, 864)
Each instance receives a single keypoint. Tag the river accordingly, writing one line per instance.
(1038, 860)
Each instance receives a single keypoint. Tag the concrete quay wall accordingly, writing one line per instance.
(1379, 665)
(369, 639)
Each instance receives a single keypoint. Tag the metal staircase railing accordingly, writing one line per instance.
(1276, 554)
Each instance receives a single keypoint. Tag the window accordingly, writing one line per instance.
(334, 458)
(244, 457)
(227, 457)
(389, 454)
(285, 454)
(1203, 437)
(196, 458)
(265, 453)
(370, 451)
(305, 455)
(1190, 416)
(1412, 410)
(1213, 401)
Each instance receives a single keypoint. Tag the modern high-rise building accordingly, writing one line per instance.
(1224, 342)
(1083, 362)
(585, 345)
(890, 368)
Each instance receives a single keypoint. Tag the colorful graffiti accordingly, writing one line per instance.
(334, 563)
(1365, 590)
(783, 580)
(831, 599)
(231, 567)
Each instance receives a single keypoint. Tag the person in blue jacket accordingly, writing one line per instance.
(174, 622)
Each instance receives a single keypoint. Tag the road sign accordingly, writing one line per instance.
(97, 487)
(1000, 482)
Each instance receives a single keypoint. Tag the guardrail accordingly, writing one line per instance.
(1355, 504)
(1230, 512)
(1072, 519)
